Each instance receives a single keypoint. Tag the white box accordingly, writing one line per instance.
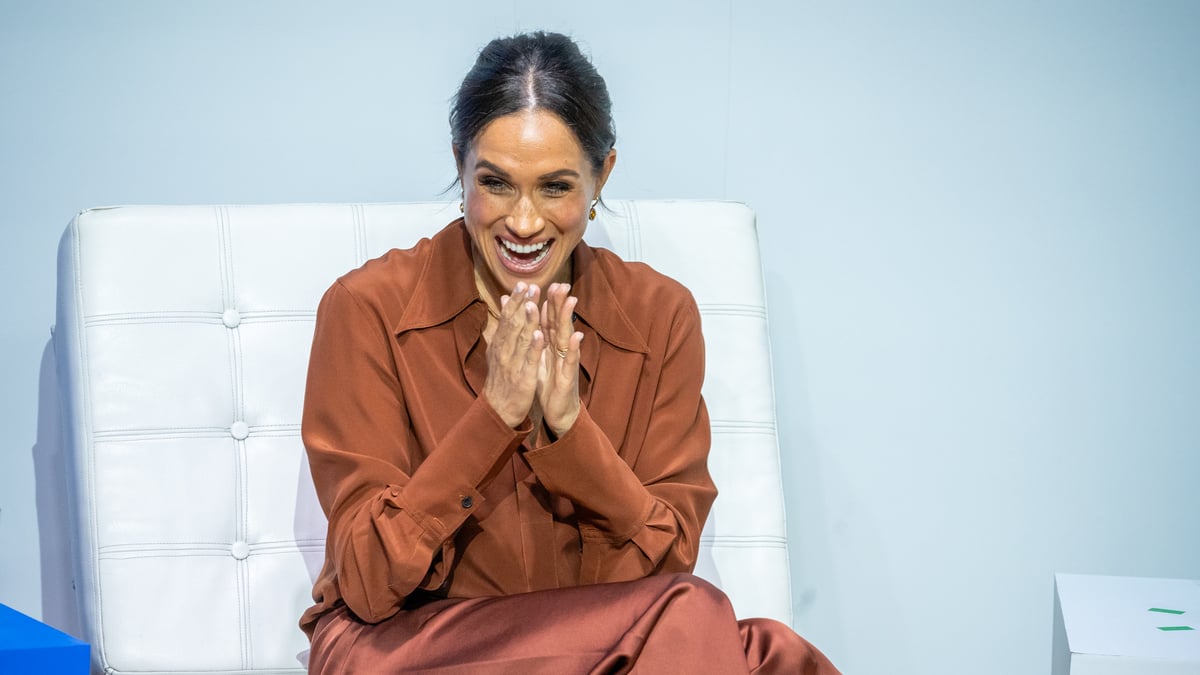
(1125, 626)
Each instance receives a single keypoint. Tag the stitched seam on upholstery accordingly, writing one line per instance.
(742, 426)
(634, 233)
(151, 433)
(750, 310)
(239, 393)
(152, 548)
(239, 492)
(311, 318)
(298, 319)
(247, 626)
(207, 548)
(223, 257)
(243, 516)
(152, 317)
(242, 606)
(229, 271)
(285, 545)
(197, 318)
(168, 433)
(745, 538)
(359, 219)
(716, 543)
(193, 552)
(282, 431)
(229, 302)
(281, 314)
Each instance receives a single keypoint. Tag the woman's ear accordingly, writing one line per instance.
(609, 162)
(458, 166)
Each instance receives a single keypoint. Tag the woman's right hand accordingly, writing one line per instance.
(513, 355)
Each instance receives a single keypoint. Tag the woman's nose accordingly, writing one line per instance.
(525, 222)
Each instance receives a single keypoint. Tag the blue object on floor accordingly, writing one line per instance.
(28, 646)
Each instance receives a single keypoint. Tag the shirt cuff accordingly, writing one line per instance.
(583, 466)
(444, 490)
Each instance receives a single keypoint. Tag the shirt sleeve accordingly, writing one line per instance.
(392, 517)
(645, 519)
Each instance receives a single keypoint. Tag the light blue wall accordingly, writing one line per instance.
(981, 230)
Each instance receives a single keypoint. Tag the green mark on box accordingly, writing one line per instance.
(1176, 628)
(1165, 611)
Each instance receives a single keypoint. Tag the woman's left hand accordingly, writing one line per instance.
(558, 377)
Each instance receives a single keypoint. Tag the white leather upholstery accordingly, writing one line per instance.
(182, 342)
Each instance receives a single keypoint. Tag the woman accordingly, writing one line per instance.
(505, 425)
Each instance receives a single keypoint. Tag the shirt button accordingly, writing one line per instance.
(467, 502)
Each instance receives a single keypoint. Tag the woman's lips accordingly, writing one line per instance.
(523, 259)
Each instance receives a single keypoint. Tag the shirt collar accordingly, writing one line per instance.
(446, 288)
(598, 306)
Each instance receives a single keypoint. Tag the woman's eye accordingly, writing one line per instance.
(557, 188)
(493, 184)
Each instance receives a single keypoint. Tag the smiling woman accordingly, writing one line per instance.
(526, 208)
(528, 190)
(505, 425)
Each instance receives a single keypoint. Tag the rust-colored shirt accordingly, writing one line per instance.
(430, 494)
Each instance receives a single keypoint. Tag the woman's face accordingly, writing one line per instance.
(527, 190)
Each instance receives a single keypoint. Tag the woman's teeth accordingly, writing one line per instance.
(524, 253)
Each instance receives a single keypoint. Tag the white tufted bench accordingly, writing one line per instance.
(182, 341)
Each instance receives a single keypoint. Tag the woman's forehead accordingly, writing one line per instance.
(527, 139)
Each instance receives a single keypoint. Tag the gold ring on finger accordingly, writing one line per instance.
(562, 353)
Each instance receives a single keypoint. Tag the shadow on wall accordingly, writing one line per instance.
(815, 598)
(839, 559)
(60, 605)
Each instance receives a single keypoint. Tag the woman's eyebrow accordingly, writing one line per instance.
(484, 164)
(561, 172)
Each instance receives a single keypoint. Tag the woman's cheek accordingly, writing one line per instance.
(571, 213)
(476, 206)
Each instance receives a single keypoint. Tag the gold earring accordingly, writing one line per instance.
(592, 212)
(462, 208)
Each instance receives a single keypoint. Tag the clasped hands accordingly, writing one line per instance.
(534, 355)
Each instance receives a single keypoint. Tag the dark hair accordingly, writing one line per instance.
(535, 71)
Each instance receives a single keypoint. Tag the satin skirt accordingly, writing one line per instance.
(674, 623)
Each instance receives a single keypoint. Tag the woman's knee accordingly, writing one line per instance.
(700, 591)
(773, 647)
